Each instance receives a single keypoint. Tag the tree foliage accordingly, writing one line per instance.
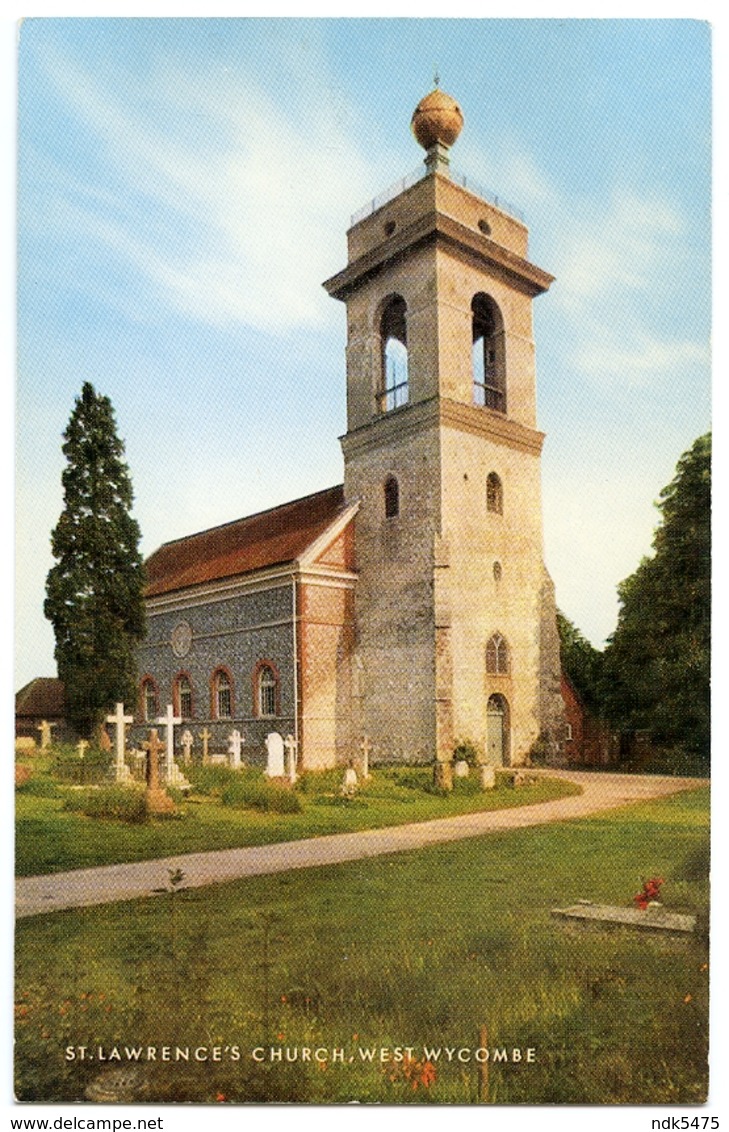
(657, 663)
(581, 661)
(94, 591)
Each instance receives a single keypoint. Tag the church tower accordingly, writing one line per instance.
(455, 620)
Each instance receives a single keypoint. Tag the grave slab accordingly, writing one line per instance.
(652, 920)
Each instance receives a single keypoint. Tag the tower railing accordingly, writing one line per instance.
(421, 172)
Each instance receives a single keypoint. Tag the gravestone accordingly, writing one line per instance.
(655, 918)
(120, 772)
(235, 740)
(365, 748)
(104, 740)
(461, 769)
(487, 777)
(349, 783)
(275, 753)
(205, 736)
(172, 774)
(291, 747)
(157, 799)
(186, 743)
(45, 733)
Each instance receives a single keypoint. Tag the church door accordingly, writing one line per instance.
(496, 731)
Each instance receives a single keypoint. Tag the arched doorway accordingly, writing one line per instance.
(497, 730)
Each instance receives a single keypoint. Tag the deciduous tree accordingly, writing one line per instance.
(657, 664)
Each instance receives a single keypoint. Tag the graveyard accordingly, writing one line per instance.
(80, 807)
(212, 995)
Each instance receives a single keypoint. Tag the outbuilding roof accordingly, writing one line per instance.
(269, 538)
(43, 697)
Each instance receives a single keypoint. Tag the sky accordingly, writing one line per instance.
(185, 187)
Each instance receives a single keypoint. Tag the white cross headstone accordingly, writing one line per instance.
(235, 740)
(365, 748)
(81, 747)
(291, 746)
(186, 743)
(45, 733)
(275, 752)
(169, 721)
(120, 770)
(205, 735)
(173, 774)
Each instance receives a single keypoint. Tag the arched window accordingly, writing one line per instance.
(392, 497)
(489, 377)
(266, 690)
(494, 494)
(222, 694)
(149, 696)
(182, 696)
(497, 656)
(393, 335)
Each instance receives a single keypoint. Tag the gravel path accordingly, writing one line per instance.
(108, 883)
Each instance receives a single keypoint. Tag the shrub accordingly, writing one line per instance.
(467, 751)
(122, 803)
(69, 767)
(261, 795)
(213, 779)
(39, 788)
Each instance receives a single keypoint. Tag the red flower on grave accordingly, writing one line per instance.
(649, 893)
(220, 1097)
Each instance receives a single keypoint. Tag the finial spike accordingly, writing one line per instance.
(436, 77)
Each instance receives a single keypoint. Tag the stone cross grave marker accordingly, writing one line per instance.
(365, 747)
(186, 743)
(275, 752)
(291, 747)
(45, 733)
(235, 741)
(205, 736)
(158, 800)
(120, 770)
(173, 774)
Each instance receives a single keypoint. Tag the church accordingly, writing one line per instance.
(410, 604)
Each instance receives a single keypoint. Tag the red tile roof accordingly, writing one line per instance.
(43, 697)
(269, 538)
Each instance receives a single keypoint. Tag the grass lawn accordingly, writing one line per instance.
(417, 949)
(48, 839)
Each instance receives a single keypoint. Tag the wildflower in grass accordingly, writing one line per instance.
(220, 1097)
(688, 998)
(280, 1037)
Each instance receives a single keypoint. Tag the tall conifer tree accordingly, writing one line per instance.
(94, 592)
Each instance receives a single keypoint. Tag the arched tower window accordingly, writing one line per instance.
(182, 696)
(392, 497)
(494, 494)
(266, 690)
(489, 376)
(393, 336)
(221, 687)
(149, 696)
(497, 656)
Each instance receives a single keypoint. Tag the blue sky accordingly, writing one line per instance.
(186, 185)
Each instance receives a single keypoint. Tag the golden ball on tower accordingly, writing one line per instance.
(437, 118)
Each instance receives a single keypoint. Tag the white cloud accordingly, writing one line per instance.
(238, 218)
